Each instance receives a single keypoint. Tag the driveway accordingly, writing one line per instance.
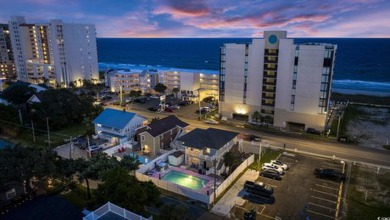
(234, 195)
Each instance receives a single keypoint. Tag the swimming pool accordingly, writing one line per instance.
(186, 180)
(141, 159)
(3, 144)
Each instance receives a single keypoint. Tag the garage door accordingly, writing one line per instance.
(240, 117)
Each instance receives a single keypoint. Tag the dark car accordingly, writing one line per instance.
(184, 103)
(140, 100)
(272, 174)
(258, 188)
(153, 109)
(260, 199)
(329, 174)
(105, 98)
(313, 131)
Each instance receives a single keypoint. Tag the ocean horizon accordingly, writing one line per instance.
(362, 65)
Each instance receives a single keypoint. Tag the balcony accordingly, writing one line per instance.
(269, 82)
(266, 102)
(273, 61)
(268, 89)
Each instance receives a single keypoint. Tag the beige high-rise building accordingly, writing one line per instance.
(57, 53)
(7, 67)
(289, 84)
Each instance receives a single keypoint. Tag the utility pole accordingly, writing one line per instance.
(338, 128)
(70, 147)
(200, 111)
(215, 181)
(258, 163)
(33, 131)
(48, 130)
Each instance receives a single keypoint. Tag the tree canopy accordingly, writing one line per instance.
(63, 108)
(161, 88)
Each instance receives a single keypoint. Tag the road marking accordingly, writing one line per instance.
(323, 192)
(324, 199)
(308, 210)
(259, 213)
(327, 187)
(322, 206)
(325, 181)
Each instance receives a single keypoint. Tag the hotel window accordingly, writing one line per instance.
(142, 137)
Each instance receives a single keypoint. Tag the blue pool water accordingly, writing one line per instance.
(142, 159)
(186, 180)
(3, 144)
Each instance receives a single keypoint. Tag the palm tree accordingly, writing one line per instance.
(256, 116)
(229, 160)
(268, 120)
(175, 90)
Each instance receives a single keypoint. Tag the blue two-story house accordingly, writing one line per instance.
(118, 126)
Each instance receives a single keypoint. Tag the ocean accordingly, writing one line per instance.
(362, 64)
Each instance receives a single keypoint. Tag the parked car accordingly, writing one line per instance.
(313, 131)
(269, 166)
(94, 148)
(280, 163)
(184, 103)
(329, 174)
(169, 109)
(105, 98)
(154, 109)
(254, 122)
(260, 199)
(140, 100)
(259, 188)
(273, 174)
(154, 97)
(175, 106)
(211, 121)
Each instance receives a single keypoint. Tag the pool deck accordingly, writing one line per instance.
(207, 188)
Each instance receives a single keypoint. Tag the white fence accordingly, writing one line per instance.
(228, 181)
(207, 197)
(109, 207)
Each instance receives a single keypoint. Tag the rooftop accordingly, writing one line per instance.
(163, 125)
(114, 118)
(210, 138)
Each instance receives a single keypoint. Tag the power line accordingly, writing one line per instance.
(44, 131)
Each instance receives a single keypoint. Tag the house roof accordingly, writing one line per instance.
(114, 118)
(177, 154)
(210, 138)
(163, 125)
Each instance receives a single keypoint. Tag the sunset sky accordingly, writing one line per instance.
(213, 18)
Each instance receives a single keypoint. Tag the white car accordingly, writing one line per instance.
(211, 121)
(269, 166)
(280, 163)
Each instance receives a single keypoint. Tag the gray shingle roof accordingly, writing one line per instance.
(210, 138)
(163, 125)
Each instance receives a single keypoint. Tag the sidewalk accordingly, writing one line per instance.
(234, 195)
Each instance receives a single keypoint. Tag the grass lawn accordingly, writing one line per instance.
(267, 156)
(368, 205)
(56, 137)
(77, 197)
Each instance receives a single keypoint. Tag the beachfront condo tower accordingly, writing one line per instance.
(288, 84)
(56, 53)
(7, 68)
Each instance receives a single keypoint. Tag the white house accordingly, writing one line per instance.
(118, 126)
(204, 147)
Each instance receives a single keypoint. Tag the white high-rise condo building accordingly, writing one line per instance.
(288, 84)
(57, 53)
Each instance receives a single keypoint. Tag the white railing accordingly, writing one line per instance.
(206, 196)
(109, 207)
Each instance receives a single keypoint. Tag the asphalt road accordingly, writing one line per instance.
(321, 147)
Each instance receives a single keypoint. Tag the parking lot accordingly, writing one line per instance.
(299, 194)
